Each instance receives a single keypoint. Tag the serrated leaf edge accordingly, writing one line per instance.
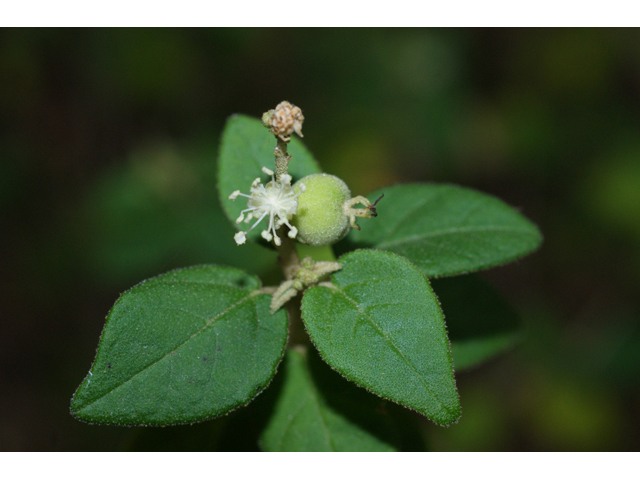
(331, 285)
(256, 291)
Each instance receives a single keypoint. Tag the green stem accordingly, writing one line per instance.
(288, 257)
(289, 261)
(297, 333)
(319, 254)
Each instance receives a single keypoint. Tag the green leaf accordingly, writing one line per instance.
(380, 325)
(182, 347)
(307, 419)
(446, 229)
(480, 322)
(247, 146)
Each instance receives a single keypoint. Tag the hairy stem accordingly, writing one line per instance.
(288, 257)
(290, 262)
(282, 158)
(297, 333)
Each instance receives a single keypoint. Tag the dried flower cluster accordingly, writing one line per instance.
(284, 120)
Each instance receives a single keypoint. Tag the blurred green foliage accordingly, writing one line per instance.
(108, 140)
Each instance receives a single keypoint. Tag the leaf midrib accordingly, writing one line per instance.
(397, 350)
(442, 233)
(313, 397)
(208, 324)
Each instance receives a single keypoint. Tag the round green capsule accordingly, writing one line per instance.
(320, 218)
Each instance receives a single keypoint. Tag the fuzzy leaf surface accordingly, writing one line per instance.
(446, 229)
(380, 325)
(186, 346)
(305, 419)
(245, 147)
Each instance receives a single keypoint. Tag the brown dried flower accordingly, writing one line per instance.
(284, 120)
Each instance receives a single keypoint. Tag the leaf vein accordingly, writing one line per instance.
(207, 325)
(291, 419)
(395, 348)
(424, 236)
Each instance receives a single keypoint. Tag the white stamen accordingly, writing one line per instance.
(286, 178)
(240, 238)
(275, 199)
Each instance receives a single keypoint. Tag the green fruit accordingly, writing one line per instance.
(320, 218)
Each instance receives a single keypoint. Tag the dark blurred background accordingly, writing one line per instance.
(108, 144)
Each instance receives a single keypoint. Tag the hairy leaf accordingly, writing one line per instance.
(247, 146)
(447, 230)
(380, 325)
(307, 418)
(182, 347)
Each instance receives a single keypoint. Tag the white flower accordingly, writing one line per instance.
(275, 199)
